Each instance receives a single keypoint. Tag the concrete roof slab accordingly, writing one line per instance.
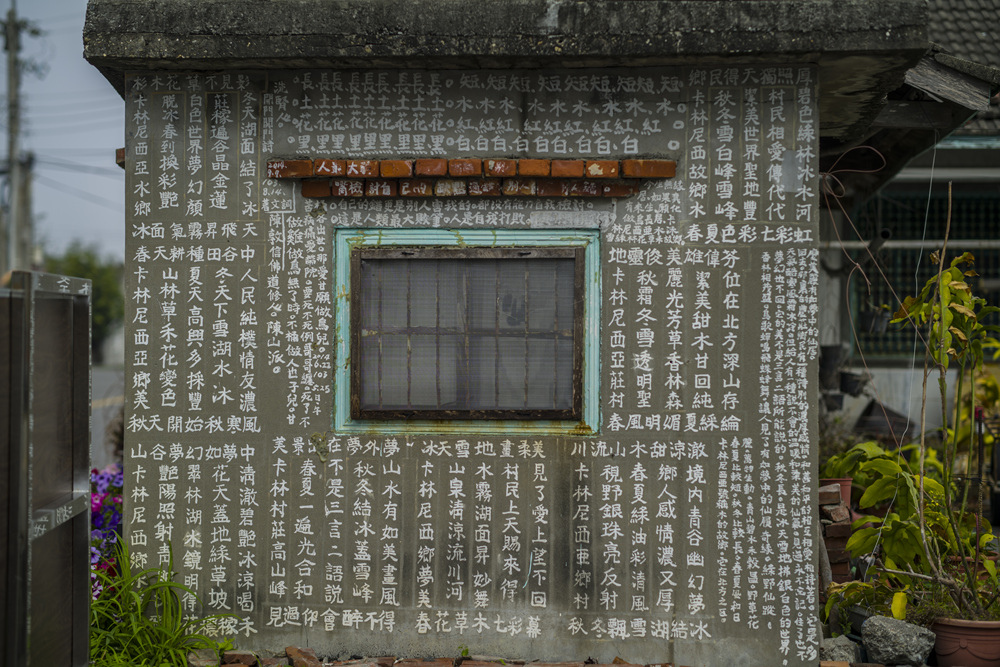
(862, 48)
(268, 32)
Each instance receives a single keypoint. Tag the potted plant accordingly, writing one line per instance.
(849, 604)
(830, 359)
(875, 320)
(852, 382)
(930, 541)
(862, 465)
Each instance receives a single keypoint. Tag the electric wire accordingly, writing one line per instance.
(39, 20)
(61, 125)
(75, 95)
(68, 130)
(31, 111)
(98, 150)
(71, 27)
(67, 165)
(117, 207)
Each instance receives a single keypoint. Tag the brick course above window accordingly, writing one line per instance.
(473, 177)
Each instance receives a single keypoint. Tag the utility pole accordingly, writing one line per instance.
(13, 46)
(25, 226)
(18, 219)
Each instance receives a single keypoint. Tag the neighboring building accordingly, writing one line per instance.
(906, 218)
(491, 324)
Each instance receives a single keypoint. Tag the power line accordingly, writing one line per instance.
(56, 124)
(88, 120)
(73, 27)
(79, 166)
(117, 207)
(67, 94)
(56, 20)
(62, 104)
(83, 151)
(44, 131)
(58, 17)
(67, 130)
(77, 110)
(85, 116)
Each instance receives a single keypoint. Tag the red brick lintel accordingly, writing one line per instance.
(491, 177)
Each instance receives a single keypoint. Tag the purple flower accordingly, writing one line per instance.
(107, 487)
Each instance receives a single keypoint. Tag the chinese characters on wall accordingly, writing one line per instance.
(686, 520)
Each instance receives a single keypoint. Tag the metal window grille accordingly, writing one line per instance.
(974, 218)
(466, 333)
(974, 215)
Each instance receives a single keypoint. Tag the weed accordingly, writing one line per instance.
(138, 618)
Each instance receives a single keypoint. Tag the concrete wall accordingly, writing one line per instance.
(678, 526)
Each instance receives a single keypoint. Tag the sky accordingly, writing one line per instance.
(72, 120)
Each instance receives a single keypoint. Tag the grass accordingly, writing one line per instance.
(138, 618)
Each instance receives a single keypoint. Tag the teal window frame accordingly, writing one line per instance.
(346, 240)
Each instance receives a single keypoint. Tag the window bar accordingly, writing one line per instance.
(893, 342)
(437, 330)
(468, 355)
(409, 347)
(555, 336)
(527, 333)
(496, 336)
(380, 330)
(576, 396)
(911, 275)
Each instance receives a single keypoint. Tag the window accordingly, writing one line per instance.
(467, 332)
(475, 333)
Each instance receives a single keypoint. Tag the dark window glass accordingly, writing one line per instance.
(466, 333)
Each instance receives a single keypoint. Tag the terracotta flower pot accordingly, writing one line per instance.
(967, 643)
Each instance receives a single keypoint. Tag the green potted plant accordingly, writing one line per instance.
(849, 604)
(861, 465)
(931, 542)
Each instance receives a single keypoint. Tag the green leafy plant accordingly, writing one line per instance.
(847, 464)
(931, 538)
(898, 535)
(879, 596)
(138, 618)
(962, 431)
(868, 462)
